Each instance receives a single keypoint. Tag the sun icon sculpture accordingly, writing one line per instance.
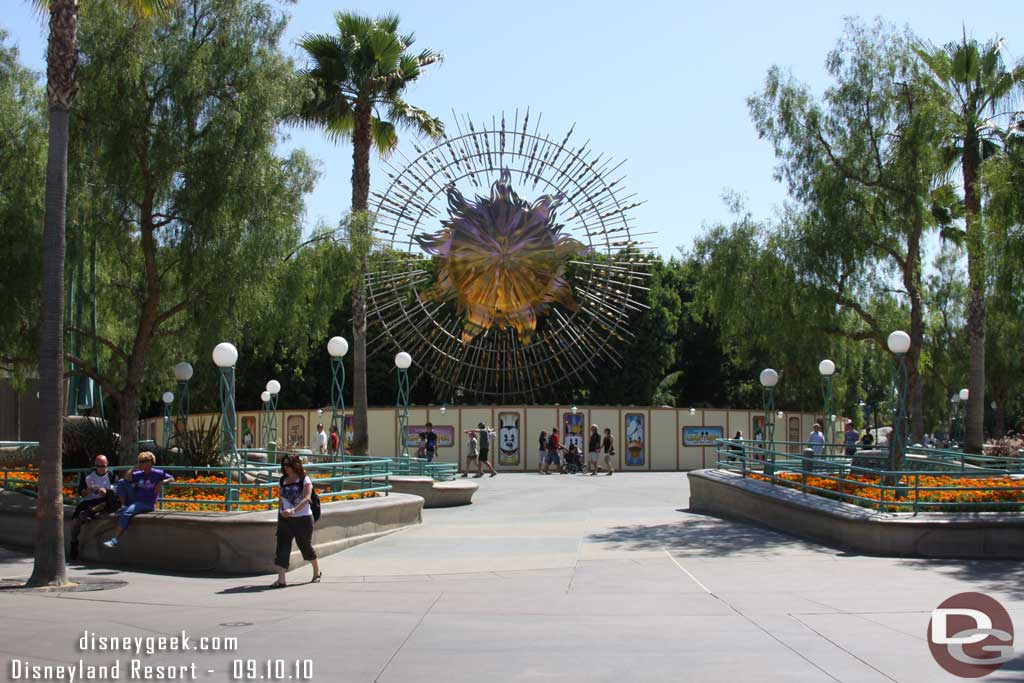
(493, 295)
(501, 260)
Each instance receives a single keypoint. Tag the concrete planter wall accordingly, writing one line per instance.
(231, 542)
(937, 535)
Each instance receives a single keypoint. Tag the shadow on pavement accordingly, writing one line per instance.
(1004, 576)
(259, 588)
(705, 535)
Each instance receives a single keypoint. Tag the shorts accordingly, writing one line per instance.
(430, 455)
(483, 456)
(553, 459)
(542, 456)
(593, 456)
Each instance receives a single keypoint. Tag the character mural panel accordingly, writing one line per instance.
(636, 441)
(502, 244)
(508, 439)
(296, 427)
(574, 430)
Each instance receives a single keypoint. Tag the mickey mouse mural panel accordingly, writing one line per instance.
(509, 441)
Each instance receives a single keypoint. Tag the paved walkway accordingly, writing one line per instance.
(554, 578)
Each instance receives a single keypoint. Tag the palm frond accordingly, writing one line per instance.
(408, 116)
(384, 137)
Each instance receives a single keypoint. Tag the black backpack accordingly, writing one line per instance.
(314, 500)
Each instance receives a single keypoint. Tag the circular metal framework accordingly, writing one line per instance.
(573, 330)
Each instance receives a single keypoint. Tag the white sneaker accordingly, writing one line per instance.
(112, 543)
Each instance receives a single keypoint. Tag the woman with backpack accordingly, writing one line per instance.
(294, 518)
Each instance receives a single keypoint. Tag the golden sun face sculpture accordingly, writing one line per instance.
(501, 260)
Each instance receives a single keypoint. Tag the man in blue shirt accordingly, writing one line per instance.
(850, 438)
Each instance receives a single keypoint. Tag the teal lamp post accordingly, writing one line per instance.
(168, 399)
(769, 378)
(182, 373)
(402, 362)
(224, 357)
(964, 395)
(264, 410)
(270, 414)
(827, 369)
(899, 344)
(337, 347)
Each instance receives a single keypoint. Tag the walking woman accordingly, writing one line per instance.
(294, 519)
(608, 446)
(542, 454)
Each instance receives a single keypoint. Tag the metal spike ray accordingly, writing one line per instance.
(566, 331)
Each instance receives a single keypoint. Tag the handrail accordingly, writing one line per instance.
(838, 478)
(332, 480)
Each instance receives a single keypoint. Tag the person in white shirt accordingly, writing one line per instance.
(321, 439)
(294, 519)
(817, 440)
(97, 491)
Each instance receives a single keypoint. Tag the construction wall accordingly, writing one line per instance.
(646, 438)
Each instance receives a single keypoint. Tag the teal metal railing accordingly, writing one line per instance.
(333, 481)
(906, 490)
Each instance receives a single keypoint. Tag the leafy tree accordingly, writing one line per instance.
(979, 92)
(195, 214)
(23, 155)
(61, 89)
(860, 165)
(358, 78)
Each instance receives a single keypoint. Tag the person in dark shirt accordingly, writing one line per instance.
(430, 449)
(608, 447)
(542, 451)
(594, 450)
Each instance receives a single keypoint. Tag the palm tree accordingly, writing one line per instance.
(61, 89)
(979, 92)
(358, 78)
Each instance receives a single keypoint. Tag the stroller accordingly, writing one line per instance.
(573, 459)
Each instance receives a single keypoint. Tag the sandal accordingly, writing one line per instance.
(278, 584)
(316, 579)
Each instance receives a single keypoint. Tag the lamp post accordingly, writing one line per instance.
(337, 347)
(964, 395)
(182, 373)
(826, 369)
(168, 398)
(402, 362)
(270, 414)
(769, 378)
(899, 344)
(224, 357)
(954, 415)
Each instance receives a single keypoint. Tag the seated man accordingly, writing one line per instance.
(138, 491)
(97, 491)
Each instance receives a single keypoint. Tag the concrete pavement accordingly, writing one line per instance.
(543, 578)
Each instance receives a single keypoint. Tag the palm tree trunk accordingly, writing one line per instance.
(976, 312)
(360, 230)
(62, 62)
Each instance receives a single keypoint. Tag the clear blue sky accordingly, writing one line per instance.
(661, 84)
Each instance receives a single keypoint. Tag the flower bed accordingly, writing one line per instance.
(209, 497)
(933, 492)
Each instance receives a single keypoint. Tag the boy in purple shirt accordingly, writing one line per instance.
(142, 486)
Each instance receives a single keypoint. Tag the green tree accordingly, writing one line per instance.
(23, 155)
(61, 90)
(358, 78)
(195, 214)
(979, 92)
(860, 165)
